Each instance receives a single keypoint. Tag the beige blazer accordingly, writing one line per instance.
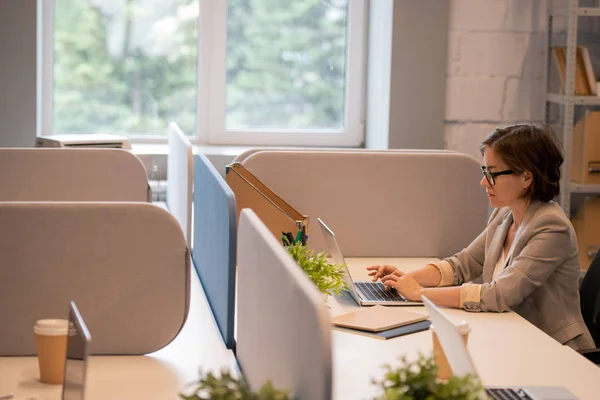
(540, 280)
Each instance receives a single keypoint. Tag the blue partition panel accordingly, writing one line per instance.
(214, 245)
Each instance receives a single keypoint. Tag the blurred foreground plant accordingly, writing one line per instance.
(417, 380)
(226, 387)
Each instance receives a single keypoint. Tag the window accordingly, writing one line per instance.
(122, 66)
(264, 72)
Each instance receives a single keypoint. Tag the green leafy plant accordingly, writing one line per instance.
(226, 387)
(329, 278)
(418, 380)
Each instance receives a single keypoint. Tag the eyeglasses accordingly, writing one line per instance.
(491, 176)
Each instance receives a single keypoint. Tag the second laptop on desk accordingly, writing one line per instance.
(461, 363)
(365, 293)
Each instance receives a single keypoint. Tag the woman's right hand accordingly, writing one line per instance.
(379, 271)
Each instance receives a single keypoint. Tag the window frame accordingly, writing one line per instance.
(211, 85)
(45, 52)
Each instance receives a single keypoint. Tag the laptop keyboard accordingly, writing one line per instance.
(375, 291)
(508, 394)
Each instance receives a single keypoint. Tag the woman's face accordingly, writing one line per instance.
(507, 188)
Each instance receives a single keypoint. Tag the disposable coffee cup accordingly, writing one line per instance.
(51, 339)
(443, 368)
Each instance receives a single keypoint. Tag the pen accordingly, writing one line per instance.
(304, 236)
(298, 236)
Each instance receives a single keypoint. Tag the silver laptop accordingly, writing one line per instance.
(78, 343)
(365, 293)
(461, 363)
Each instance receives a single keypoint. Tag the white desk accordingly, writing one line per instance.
(160, 375)
(506, 349)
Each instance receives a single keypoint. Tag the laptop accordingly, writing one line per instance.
(365, 293)
(78, 343)
(461, 363)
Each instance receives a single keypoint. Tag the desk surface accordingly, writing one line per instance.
(506, 349)
(160, 375)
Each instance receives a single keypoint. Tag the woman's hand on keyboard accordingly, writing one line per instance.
(379, 271)
(406, 285)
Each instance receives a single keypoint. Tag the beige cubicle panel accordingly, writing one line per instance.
(247, 153)
(283, 331)
(381, 203)
(126, 266)
(72, 175)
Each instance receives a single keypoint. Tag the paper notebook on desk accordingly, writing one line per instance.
(377, 318)
(390, 333)
(381, 322)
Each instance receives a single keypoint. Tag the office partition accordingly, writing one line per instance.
(283, 325)
(72, 175)
(213, 252)
(180, 173)
(381, 204)
(126, 266)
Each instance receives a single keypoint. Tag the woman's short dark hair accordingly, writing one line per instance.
(533, 148)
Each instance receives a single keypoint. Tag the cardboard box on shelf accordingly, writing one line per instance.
(587, 228)
(585, 82)
(585, 165)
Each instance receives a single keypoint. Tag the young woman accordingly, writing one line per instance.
(526, 260)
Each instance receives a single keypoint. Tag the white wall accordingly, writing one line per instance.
(418, 92)
(18, 72)
(495, 68)
(406, 82)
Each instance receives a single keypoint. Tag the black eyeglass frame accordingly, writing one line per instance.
(491, 176)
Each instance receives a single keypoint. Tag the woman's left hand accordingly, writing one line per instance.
(406, 285)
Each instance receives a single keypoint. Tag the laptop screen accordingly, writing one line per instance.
(76, 357)
(332, 246)
(338, 258)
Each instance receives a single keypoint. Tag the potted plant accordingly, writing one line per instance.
(226, 387)
(327, 277)
(418, 380)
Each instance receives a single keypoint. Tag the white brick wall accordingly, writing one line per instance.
(474, 98)
(495, 68)
(466, 136)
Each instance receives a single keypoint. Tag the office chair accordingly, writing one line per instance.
(589, 294)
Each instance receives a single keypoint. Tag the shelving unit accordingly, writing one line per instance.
(581, 11)
(577, 100)
(568, 101)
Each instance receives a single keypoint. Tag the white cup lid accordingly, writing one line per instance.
(51, 327)
(463, 327)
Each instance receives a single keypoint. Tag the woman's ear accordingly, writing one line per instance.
(527, 179)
